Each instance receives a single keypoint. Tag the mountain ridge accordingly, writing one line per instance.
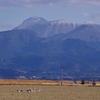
(28, 52)
(47, 28)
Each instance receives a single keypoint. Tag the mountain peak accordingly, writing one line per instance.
(34, 20)
(89, 23)
(30, 22)
(59, 21)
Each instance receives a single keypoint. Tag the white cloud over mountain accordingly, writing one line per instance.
(85, 15)
(31, 3)
(83, 2)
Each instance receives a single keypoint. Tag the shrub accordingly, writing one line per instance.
(93, 83)
(82, 82)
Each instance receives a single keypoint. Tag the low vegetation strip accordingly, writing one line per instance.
(28, 82)
(44, 82)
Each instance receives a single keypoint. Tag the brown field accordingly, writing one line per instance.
(28, 82)
(9, 92)
(39, 82)
(50, 90)
(33, 82)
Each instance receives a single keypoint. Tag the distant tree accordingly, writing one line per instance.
(93, 83)
(74, 81)
(82, 82)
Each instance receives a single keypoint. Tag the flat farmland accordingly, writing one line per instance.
(9, 92)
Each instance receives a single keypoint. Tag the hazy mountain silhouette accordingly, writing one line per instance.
(25, 52)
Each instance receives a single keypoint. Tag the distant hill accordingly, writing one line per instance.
(39, 48)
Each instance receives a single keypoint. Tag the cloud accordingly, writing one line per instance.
(85, 15)
(84, 2)
(96, 15)
(26, 3)
(31, 3)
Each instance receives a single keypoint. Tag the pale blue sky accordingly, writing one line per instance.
(14, 12)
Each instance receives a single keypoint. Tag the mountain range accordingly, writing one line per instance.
(39, 48)
(46, 28)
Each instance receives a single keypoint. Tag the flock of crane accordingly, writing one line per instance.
(30, 90)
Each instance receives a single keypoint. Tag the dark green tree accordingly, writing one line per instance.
(82, 82)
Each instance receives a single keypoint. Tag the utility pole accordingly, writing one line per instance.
(62, 68)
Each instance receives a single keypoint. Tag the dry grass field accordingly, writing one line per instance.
(9, 92)
(49, 90)
(28, 82)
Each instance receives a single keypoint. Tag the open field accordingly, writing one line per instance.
(9, 92)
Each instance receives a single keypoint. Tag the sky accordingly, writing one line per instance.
(14, 12)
